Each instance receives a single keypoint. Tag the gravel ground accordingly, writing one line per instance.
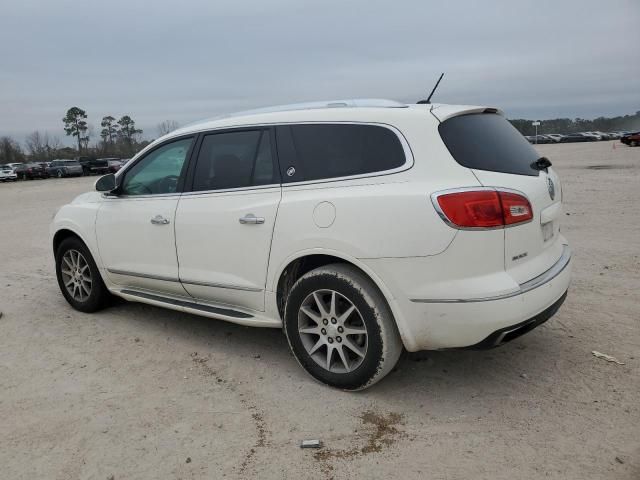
(137, 392)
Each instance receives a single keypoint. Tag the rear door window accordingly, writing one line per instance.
(487, 141)
(235, 160)
(325, 151)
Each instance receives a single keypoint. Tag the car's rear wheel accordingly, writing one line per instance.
(59, 174)
(634, 143)
(340, 327)
(78, 277)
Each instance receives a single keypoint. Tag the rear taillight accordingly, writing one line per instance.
(483, 208)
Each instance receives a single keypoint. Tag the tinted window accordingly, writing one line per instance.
(487, 141)
(234, 160)
(319, 151)
(159, 171)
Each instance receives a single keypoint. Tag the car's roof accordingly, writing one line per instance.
(364, 110)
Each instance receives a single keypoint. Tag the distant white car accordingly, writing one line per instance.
(556, 137)
(7, 174)
(593, 135)
(359, 227)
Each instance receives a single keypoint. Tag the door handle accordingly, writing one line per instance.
(251, 219)
(159, 220)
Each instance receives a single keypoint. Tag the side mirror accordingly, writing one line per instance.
(106, 183)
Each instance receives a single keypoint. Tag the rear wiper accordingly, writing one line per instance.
(541, 164)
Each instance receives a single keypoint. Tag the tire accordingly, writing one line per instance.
(377, 339)
(633, 143)
(59, 174)
(97, 296)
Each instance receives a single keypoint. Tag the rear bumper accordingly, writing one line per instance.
(483, 321)
(506, 334)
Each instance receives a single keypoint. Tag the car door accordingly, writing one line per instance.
(135, 225)
(224, 224)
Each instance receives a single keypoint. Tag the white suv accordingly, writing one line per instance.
(359, 227)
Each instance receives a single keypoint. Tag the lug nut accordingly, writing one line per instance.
(340, 329)
(325, 322)
(330, 340)
(324, 331)
(338, 339)
(334, 321)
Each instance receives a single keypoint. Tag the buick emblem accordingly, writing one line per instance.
(291, 171)
(552, 188)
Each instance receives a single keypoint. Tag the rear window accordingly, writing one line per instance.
(486, 141)
(323, 151)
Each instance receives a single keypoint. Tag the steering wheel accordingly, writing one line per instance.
(137, 186)
(168, 184)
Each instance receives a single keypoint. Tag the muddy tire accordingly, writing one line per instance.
(340, 328)
(79, 278)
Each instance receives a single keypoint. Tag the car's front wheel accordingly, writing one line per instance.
(340, 328)
(78, 277)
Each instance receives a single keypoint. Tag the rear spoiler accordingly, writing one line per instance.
(444, 112)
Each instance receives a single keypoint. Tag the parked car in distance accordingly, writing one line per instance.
(30, 171)
(7, 174)
(360, 227)
(65, 168)
(576, 137)
(114, 164)
(594, 136)
(632, 139)
(93, 166)
(556, 137)
(44, 166)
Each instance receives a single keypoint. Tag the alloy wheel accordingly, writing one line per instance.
(332, 331)
(76, 275)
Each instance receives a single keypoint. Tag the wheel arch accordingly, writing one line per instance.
(60, 235)
(297, 265)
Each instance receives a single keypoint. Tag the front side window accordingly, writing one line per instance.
(159, 171)
(234, 160)
(323, 151)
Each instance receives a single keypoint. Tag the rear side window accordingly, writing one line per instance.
(487, 141)
(235, 160)
(323, 151)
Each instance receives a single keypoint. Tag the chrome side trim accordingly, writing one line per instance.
(525, 287)
(186, 282)
(220, 285)
(227, 312)
(143, 275)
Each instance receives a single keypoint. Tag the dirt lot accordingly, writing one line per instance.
(140, 392)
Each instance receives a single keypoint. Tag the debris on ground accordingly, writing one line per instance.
(188, 460)
(619, 460)
(606, 357)
(311, 444)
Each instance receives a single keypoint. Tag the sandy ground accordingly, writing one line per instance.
(136, 392)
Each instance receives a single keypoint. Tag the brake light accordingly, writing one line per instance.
(484, 208)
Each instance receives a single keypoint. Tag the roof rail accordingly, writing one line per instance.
(350, 103)
(358, 102)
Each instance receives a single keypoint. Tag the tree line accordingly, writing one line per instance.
(117, 138)
(121, 138)
(567, 125)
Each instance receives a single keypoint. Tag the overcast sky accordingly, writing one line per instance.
(188, 60)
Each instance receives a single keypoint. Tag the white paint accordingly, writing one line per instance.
(383, 224)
